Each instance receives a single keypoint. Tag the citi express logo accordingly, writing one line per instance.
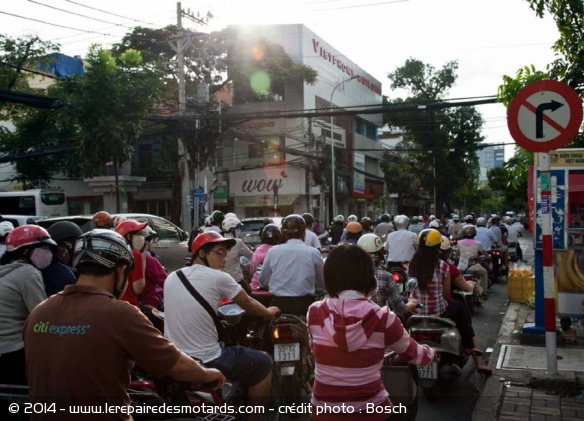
(46, 327)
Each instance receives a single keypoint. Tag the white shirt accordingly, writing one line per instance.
(401, 245)
(486, 237)
(512, 233)
(186, 323)
(233, 264)
(311, 239)
(292, 270)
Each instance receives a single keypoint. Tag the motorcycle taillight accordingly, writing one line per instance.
(426, 335)
(396, 277)
(282, 332)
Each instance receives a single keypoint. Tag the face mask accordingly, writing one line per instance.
(138, 242)
(41, 258)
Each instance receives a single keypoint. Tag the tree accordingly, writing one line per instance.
(444, 141)
(107, 106)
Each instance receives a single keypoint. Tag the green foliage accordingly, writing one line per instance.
(444, 140)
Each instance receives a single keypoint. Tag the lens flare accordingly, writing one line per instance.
(258, 52)
(260, 82)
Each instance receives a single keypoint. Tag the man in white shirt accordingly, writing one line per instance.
(310, 238)
(401, 244)
(513, 236)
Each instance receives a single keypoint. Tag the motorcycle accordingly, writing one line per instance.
(399, 275)
(512, 250)
(454, 252)
(443, 336)
(499, 270)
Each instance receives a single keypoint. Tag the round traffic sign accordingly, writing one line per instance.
(545, 115)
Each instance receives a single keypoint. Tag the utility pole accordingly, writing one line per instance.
(309, 176)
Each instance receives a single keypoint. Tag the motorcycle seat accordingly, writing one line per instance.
(420, 321)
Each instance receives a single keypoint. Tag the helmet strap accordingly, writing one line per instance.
(118, 291)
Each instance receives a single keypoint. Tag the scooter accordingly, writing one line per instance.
(443, 336)
(512, 250)
(399, 275)
(499, 269)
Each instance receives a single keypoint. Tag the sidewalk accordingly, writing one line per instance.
(520, 389)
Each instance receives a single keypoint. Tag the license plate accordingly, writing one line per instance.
(429, 371)
(286, 352)
(511, 249)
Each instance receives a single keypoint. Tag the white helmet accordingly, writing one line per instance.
(445, 244)
(401, 221)
(481, 222)
(371, 243)
(119, 220)
(432, 217)
(230, 224)
(339, 218)
(230, 215)
(6, 228)
(352, 218)
(434, 224)
(208, 221)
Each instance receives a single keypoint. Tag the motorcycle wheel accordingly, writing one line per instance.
(289, 390)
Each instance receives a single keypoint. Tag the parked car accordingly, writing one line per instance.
(18, 220)
(252, 227)
(171, 248)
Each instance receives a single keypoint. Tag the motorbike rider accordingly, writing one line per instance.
(501, 235)
(189, 326)
(154, 275)
(350, 218)
(6, 227)
(132, 231)
(102, 219)
(456, 278)
(337, 229)
(367, 224)
(353, 232)
(437, 225)
(433, 290)
(455, 228)
(292, 271)
(349, 335)
(60, 272)
(109, 334)
(270, 236)
(415, 225)
(401, 244)
(214, 222)
(513, 236)
(384, 227)
(233, 265)
(21, 290)
(484, 235)
(310, 238)
(469, 247)
(387, 292)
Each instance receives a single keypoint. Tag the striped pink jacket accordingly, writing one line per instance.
(348, 339)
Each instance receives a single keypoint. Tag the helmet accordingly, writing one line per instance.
(495, 219)
(481, 222)
(429, 238)
(469, 231)
(385, 218)
(352, 218)
(271, 234)
(455, 217)
(339, 218)
(230, 224)
(415, 220)
(371, 243)
(102, 219)
(103, 247)
(64, 229)
(27, 235)
(207, 220)
(445, 244)
(308, 218)
(469, 219)
(401, 221)
(434, 224)
(217, 218)
(432, 217)
(210, 237)
(230, 215)
(150, 234)
(354, 228)
(508, 220)
(366, 219)
(119, 220)
(129, 226)
(6, 228)
(293, 226)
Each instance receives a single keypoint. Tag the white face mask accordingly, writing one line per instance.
(41, 258)
(138, 242)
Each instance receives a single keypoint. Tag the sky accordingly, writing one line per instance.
(488, 38)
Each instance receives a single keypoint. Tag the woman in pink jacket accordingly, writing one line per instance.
(271, 235)
(349, 334)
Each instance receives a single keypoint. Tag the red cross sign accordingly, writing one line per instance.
(544, 116)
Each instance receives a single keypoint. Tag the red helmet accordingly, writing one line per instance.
(102, 219)
(210, 237)
(129, 226)
(27, 235)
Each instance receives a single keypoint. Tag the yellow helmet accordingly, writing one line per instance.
(429, 238)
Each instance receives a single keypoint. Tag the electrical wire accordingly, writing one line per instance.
(108, 13)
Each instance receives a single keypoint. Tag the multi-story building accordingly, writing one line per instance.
(489, 158)
(278, 163)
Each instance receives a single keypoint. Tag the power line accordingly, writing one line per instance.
(55, 24)
(108, 13)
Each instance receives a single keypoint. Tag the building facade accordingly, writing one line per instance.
(489, 158)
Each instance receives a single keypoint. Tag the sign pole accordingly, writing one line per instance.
(548, 263)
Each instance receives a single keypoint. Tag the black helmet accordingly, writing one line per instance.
(64, 229)
(385, 218)
(217, 218)
(366, 219)
(103, 247)
(308, 218)
(271, 234)
(469, 231)
(293, 226)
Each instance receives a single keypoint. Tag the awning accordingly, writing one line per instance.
(262, 200)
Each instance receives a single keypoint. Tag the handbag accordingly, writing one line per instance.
(226, 331)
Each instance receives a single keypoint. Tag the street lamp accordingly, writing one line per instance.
(333, 144)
